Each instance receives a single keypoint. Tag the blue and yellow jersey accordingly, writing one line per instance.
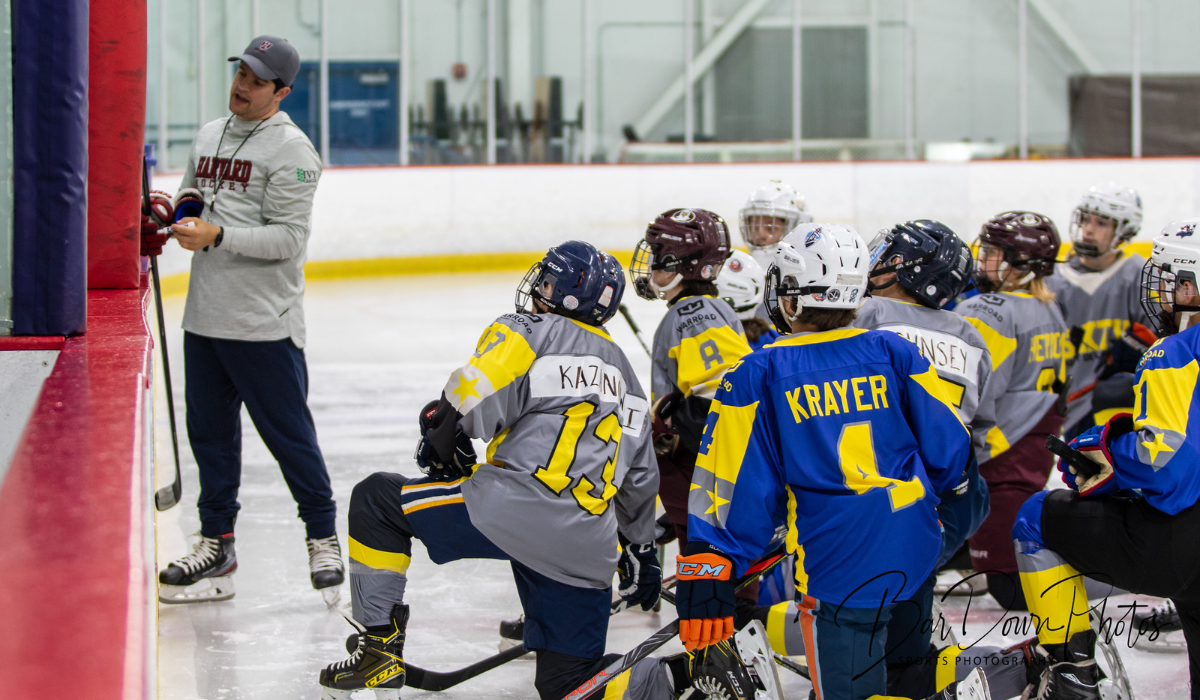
(844, 436)
(696, 342)
(1160, 457)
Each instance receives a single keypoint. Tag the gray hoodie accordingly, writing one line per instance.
(252, 286)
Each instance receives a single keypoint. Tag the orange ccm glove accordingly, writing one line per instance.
(704, 596)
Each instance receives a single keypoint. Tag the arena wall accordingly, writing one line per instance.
(404, 220)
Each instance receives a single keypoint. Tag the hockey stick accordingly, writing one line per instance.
(1083, 466)
(634, 326)
(423, 679)
(167, 496)
(593, 685)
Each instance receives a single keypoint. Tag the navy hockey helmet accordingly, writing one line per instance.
(574, 280)
(934, 267)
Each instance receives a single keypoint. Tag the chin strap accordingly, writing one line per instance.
(662, 291)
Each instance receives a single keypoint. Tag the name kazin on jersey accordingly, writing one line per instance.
(696, 342)
(844, 436)
(1103, 304)
(570, 457)
(1031, 351)
(950, 343)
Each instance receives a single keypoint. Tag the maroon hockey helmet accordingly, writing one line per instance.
(1030, 242)
(693, 243)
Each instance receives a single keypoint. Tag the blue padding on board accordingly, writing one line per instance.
(50, 76)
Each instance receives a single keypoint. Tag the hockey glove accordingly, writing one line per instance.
(640, 576)
(444, 452)
(1094, 444)
(704, 596)
(188, 202)
(162, 209)
(152, 240)
(664, 436)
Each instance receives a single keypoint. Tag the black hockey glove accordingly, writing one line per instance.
(444, 452)
(640, 575)
(686, 417)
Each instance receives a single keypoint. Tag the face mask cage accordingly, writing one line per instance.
(640, 269)
(768, 223)
(1161, 298)
(535, 285)
(779, 287)
(1084, 248)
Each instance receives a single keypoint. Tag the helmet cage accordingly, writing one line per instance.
(778, 287)
(1159, 283)
(1091, 250)
(645, 262)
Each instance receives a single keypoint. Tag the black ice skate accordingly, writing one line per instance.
(377, 664)
(203, 575)
(512, 633)
(973, 687)
(325, 568)
(717, 672)
(1067, 680)
(1162, 626)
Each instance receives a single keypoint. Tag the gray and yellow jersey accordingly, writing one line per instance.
(950, 343)
(1104, 304)
(569, 459)
(696, 342)
(1030, 350)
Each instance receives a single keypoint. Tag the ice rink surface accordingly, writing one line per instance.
(378, 350)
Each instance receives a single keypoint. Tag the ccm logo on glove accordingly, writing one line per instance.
(703, 566)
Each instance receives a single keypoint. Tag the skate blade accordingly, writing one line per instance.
(960, 583)
(205, 590)
(332, 596)
(360, 694)
(755, 650)
(973, 687)
(1166, 643)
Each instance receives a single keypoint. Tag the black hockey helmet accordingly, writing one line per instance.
(574, 280)
(935, 265)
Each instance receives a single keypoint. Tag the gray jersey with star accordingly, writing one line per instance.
(569, 459)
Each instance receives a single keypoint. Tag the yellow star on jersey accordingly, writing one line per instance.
(717, 501)
(1158, 445)
(466, 389)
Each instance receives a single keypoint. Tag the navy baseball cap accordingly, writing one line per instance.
(271, 58)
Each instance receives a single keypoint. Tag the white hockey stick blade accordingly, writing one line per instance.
(360, 694)
(973, 687)
(755, 650)
(205, 590)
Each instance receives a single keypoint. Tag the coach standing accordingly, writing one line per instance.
(244, 320)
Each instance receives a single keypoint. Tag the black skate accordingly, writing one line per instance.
(325, 568)
(718, 672)
(1067, 680)
(973, 687)
(1162, 626)
(203, 575)
(377, 664)
(512, 633)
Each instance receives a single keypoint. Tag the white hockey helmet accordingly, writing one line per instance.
(774, 200)
(1174, 262)
(741, 284)
(824, 266)
(1118, 203)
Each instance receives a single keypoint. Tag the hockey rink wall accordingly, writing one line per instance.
(369, 221)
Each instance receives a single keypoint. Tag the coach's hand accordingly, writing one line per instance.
(194, 237)
(704, 596)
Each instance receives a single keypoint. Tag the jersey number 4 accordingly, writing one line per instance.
(856, 456)
(557, 474)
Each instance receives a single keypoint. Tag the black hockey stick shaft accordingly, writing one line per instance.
(637, 332)
(1083, 466)
(423, 679)
(167, 496)
(596, 683)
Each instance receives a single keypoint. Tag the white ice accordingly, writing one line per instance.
(378, 350)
